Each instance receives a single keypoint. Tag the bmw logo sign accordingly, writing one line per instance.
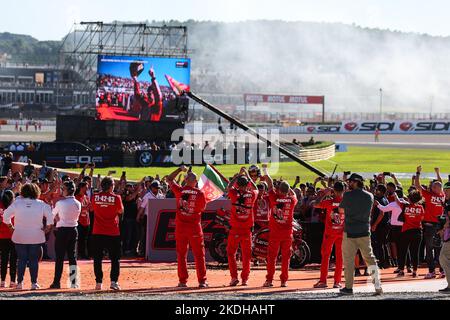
(145, 159)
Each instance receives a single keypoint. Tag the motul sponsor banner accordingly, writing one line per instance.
(274, 98)
(369, 127)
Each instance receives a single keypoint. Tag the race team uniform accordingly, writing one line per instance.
(280, 235)
(434, 207)
(333, 235)
(107, 208)
(191, 203)
(241, 222)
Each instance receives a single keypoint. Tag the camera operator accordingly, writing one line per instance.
(444, 258)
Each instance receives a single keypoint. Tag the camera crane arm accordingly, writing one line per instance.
(249, 130)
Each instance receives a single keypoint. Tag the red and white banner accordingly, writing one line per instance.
(369, 127)
(274, 98)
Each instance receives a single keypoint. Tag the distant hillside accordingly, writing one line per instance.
(26, 49)
(347, 63)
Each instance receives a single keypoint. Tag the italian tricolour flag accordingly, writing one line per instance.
(212, 183)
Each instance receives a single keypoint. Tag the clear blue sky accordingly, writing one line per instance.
(52, 19)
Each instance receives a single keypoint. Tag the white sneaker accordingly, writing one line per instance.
(19, 286)
(98, 286)
(74, 286)
(114, 286)
(182, 285)
(3, 284)
(35, 286)
(13, 285)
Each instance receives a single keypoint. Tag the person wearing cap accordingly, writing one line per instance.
(356, 206)
(444, 258)
(66, 214)
(333, 235)
(282, 202)
(242, 192)
(191, 202)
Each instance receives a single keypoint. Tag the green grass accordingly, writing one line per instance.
(357, 159)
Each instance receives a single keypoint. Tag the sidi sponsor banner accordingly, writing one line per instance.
(391, 127)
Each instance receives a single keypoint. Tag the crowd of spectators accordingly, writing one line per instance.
(391, 197)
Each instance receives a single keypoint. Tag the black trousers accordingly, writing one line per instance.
(113, 246)
(8, 254)
(83, 235)
(411, 240)
(65, 243)
(431, 252)
(380, 244)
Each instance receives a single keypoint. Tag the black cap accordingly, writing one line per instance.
(356, 177)
(155, 184)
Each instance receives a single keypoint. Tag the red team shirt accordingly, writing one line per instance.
(414, 214)
(84, 215)
(5, 231)
(261, 209)
(433, 205)
(242, 204)
(281, 214)
(191, 202)
(106, 207)
(334, 221)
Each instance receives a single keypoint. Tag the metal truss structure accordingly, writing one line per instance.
(87, 40)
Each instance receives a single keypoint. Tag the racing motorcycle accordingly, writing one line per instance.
(301, 254)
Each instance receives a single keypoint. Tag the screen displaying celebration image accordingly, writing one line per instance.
(141, 89)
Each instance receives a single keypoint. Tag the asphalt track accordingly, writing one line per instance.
(8, 134)
(141, 280)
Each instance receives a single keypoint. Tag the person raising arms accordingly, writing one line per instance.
(191, 203)
(282, 204)
(242, 192)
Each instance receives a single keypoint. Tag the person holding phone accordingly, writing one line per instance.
(434, 208)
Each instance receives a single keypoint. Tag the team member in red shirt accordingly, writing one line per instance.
(434, 207)
(107, 207)
(261, 208)
(191, 203)
(333, 235)
(83, 221)
(411, 236)
(6, 245)
(242, 192)
(282, 204)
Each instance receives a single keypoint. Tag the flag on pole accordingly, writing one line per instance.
(176, 86)
(212, 183)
